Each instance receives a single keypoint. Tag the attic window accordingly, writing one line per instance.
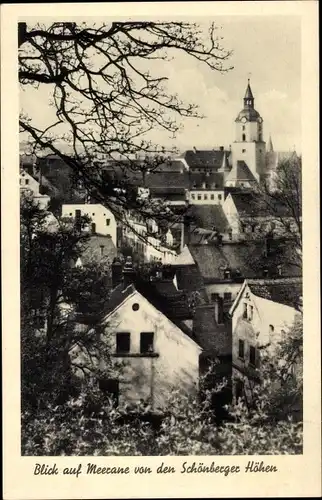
(26, 181)
(212, 196)
(135, 307)
(108, 222)
(219, 197)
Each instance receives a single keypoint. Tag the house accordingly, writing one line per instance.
(100, 249)
(144, 326)
(262, 313)
(102, 219)
(251, 214)
(30, 188)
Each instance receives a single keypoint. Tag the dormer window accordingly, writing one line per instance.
(146, 342)
(227, 274)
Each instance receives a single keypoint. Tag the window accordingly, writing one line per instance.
(243, 150)
(93, 213)
(135, 307)
(77, 213)
(102, 249)
(219, 197)
(70, 214)
(108, 222)
(239, 390)
(244, 137)
(227, 297)
(245, 311)
(243, 127)
(26, 182)
(193, 196)
(230, 233)
(122, 343)
(212, 196)
(93, 227)
(252, 355)
(251, 313)
(205, 197)
(271, 330)
(214, 297)
(199, 196)
(220, 316)
(227, 274)
(241, 349)
(146, 342)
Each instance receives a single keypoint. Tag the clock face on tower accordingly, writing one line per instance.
(244, 119)
(260, 120)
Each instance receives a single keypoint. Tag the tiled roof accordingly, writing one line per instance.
(98, 248)
(245, 259)
(241, 172)
(252, 204)
(204, 158)
(284, 290)
(214, 339)
(210, 216)
(172, 180)
(212, 181)
(189, 279)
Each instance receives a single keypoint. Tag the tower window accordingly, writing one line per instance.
(108, 222)
(243, 127)
(243, 150)
(199, 196)
(244, 137)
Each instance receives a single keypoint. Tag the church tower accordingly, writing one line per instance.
(249, 147)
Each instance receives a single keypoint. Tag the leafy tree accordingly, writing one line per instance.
(50, 333)
(89, 425)
(107, 94)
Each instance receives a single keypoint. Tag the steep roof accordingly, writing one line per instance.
(241, 172)
(245, 259)
(174, 180)
(184, 258)
(285, 291)
(211, 158)
(248, 93)
(98, 248)
(214, 180)
(250, 204)
(210, 216)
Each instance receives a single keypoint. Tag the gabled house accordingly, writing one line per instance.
(262, 314)
(30, 188)
(146, 326)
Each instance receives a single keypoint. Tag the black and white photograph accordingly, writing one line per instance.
(161, 237)
(161, 240)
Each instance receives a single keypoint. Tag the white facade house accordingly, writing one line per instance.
(206, 196)
(102, 220)
(29, 187)
(262, 314)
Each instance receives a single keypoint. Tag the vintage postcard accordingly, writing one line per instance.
(160, 215)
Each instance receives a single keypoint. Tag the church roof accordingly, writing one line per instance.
(241, 172)
(248, 93)
(250, 113)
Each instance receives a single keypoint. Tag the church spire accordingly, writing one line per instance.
(270, 148)
(249, 98)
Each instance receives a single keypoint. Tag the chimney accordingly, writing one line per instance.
(116, 272)
(221, 148)
(185, 232)
(128, 273)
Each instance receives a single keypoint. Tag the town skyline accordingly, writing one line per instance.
(275, 78)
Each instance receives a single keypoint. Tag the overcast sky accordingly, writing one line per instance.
(266, 49)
